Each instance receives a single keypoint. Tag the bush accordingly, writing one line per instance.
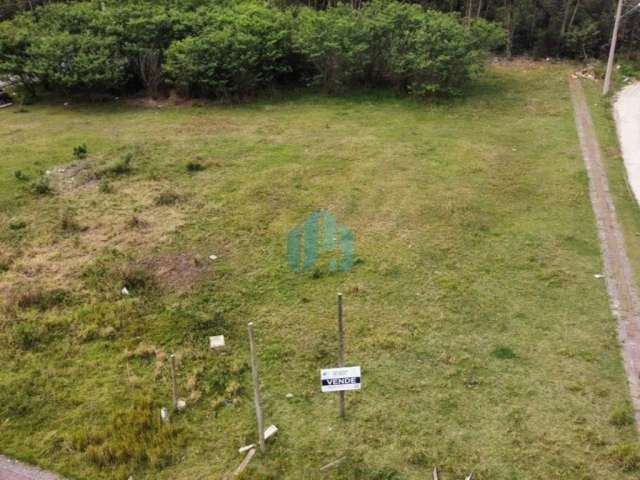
(80, 151)
(119, 167)
(77, 62)
(336, 42)
(235, 49)
(245, 49)
(390, 43)
(193, 166)
(20, 175)
(42, 186)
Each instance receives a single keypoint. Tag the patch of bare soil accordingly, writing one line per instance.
(177, 271)
(55, 259)
(173, 100)
(73, 176)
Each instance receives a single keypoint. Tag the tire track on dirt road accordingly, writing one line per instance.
(623, 298)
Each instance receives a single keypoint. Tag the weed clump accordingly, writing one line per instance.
(194, 166)
(42, 300)
(26, 335)
(134, 438)
(17, 225)
(20, 175)
(504, 353)
(81, 151)
(119, 167)
(621, 417)
(115, 271)
(105, 186)
(166, 199)
(626, 457)
(41, 186)
(69, 222)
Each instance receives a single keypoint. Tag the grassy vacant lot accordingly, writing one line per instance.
(486, 342)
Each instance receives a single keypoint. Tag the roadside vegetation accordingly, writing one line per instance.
(485, 340)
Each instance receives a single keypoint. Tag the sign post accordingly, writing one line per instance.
(174, 390)
(340, 379)
(340, 352)
(256, 389)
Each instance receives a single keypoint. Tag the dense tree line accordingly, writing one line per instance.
(236, 49)
(570, 28)
(567, 28)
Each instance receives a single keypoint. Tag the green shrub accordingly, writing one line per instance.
(244, 49)
(80, 151)
(20, 175)
(336, 42)
(194, 166)
(15, 62)
(234, 49)
(17, 225)
(42, 186)
(78, 62)
(390, 43)
(487, 36)
(119, 167)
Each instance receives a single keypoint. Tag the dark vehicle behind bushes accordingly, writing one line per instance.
(237, 49)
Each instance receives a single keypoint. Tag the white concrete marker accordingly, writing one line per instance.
(216, 341)
(270, 432)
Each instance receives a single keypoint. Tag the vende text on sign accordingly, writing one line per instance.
(338, 379)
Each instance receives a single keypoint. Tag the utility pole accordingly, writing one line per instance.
(612, 50)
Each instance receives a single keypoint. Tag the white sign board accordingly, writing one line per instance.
(338, 379)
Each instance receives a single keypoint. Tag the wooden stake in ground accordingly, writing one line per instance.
(174, 391)
(340, 351)
(256, 389)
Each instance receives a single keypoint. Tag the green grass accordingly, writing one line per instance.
(485, 341)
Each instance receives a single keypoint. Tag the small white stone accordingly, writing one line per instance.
(181, 404)
(164, 414)
(125, 291)
(216, 341)
(213, 257)
(289, 395)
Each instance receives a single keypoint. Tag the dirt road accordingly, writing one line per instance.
(627, 115)
(12, 470)
(619, 277)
